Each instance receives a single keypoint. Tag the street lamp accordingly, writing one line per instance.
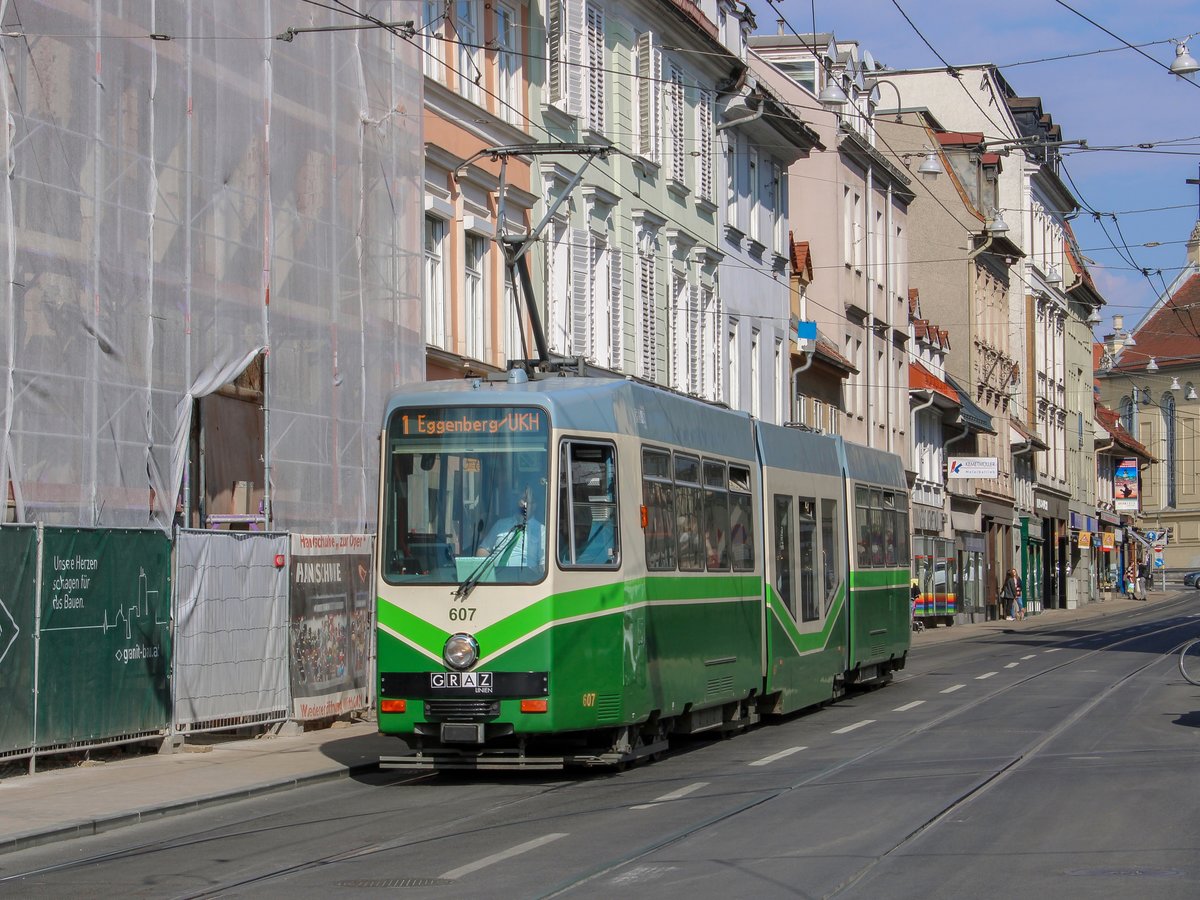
(995, 223)
(1152, 366)
(1175, 385)
(1184, 63)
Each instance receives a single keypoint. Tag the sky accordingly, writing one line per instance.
(1115, 99)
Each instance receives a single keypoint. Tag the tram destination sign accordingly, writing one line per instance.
(972, 467)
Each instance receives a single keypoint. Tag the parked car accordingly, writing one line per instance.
(1192, 579)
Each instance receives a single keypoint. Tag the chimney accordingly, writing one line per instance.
(1193, 246)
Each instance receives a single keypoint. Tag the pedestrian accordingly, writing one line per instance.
(1010, 594)
(1131, 580)
(1143, 573)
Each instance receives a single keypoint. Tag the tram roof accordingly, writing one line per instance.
(591, 404)
(800, 451)
(876, 466)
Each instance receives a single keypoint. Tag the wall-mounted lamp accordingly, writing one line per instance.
(1184, 64)
(1094, 319)
(995, 223)
(1152, 366)
(832, 97)
(1053, 276)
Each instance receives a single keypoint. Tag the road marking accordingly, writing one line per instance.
(674, 795)
(1052, 650)
(984, 675)
(852, 727)
(1030, 656)
(951, 690)
(502, 855)
(1011, 665)
(907, 706)
(767, 760)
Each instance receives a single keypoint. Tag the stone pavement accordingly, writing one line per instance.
(60, 802)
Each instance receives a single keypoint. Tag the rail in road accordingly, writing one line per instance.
(993, 758)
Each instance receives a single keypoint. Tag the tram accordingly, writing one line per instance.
(571, 570)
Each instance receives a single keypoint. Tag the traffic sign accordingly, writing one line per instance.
(1159, 562)
(1158, 547)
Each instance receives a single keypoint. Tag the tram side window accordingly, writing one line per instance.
(689, 511)
(806, 533)
(862, 517)
(888, 525)
(588, 533)
(782, 544)
(902, 531)
(716, 517)
(830, 564)
(876, 518)
(658, 500)
(741, 520)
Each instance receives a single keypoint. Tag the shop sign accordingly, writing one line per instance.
(1108, 541)
(1085, 540)
(973, 467)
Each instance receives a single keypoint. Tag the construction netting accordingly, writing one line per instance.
(195, 191)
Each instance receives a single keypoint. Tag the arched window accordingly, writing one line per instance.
(1126, 411)
(1168, 412)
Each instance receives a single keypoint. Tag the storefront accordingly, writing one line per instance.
(969, 551)
(1082, 560)
(1108, 554)
(1055, 554)
(1032, 562)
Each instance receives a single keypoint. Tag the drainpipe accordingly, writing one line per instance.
(868, 279)
(812, 354)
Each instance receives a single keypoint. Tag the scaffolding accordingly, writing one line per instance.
(211, 254)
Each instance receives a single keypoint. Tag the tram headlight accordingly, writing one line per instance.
(461, 651)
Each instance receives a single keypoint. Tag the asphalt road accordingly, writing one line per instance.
(1035, 763)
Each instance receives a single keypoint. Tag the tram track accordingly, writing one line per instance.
(994, 777)
(983, 785)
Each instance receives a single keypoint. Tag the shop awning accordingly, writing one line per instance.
(921, 379)
(1137, 537)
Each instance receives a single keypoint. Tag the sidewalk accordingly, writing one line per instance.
(1050, 617)
(67, 802)
(64, 802)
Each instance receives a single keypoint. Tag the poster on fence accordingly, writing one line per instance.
(104, 636)
(332, 617)
(18, 578)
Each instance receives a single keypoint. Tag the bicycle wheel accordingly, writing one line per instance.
(1189, 661)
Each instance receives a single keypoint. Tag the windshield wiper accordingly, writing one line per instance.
(506, 541)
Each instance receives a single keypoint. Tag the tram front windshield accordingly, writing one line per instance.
(465, 495)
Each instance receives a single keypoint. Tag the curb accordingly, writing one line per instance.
(113, 821)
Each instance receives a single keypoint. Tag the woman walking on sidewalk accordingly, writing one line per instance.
(1010, 594)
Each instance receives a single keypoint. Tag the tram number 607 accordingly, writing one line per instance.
(589, 698)
(462, 613)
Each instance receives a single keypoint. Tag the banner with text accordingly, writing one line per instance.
(18, 583)
(104, 634)
(332, 623)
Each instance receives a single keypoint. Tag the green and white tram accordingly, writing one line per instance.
(573, 569)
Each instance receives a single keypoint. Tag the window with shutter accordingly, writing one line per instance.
(704, 145)
(695, 341)
(595, 68)
(647, 332)
(574, 62)
(648, 70)
(556, 15)
(558, 287)
(709, 345)
(679, 331)
(581, 278)
(616, 309)
(676, 110)
(599, 297)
